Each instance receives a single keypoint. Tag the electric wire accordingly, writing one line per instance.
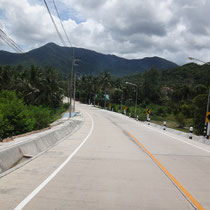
(10, 42)
(56, 28)
(67, 37)
(61, 23)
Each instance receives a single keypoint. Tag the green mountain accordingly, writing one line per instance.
(91, 62)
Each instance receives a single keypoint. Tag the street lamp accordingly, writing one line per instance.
(195, 59)
(121, 96)
(207, 108)
(128, 83)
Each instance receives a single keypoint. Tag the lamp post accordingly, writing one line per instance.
(128, 83)
(195, 59)
(121, 97)
(207, 108)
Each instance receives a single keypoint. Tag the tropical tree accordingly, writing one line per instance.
(106, 84)
(151, 86)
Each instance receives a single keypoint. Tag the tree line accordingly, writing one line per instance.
(30, 98)
(181, 92)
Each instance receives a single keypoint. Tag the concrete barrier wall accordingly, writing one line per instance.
(11, 153)
(8, 158)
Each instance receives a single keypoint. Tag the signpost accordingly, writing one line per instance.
(208, 117)
(110, 106)
(125, 108)
(148, 113)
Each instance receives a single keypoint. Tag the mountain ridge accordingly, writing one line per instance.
(92, 62)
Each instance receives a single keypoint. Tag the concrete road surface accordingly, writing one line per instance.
(113, 162)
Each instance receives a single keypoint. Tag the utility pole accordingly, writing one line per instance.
(74, 88)
(70, 88)
(207, 110)
(71, 83)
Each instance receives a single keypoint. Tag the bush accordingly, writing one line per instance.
(169, 110)
(186, 110)
(161, 112)
(142, 116)
(66, 106)
(41, 115)
(15, 117)
(180, 119)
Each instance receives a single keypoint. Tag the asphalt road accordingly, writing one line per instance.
(113, 162)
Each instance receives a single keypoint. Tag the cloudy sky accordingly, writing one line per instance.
(172, 29)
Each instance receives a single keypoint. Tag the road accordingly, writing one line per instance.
(113, 162)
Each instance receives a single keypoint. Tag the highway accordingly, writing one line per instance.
(113, 162)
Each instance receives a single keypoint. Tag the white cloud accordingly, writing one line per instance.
(172, 29)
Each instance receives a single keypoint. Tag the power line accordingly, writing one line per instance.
(54, 24)
(62, 23)
(73, 59)
(10, 42)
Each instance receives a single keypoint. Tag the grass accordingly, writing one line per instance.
(171, 123)
(158, 115)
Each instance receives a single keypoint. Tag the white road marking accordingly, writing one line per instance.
(177, 138)
(162, 132)
(46, 181)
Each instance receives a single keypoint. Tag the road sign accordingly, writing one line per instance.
(148, 111)
(208, 117)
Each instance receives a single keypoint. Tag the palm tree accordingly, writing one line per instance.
(106, 84)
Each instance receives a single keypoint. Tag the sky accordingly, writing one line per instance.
(134, 29)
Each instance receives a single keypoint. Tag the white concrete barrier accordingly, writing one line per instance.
(12, 152)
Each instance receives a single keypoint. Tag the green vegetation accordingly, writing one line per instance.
(30, 99)
(178, 95)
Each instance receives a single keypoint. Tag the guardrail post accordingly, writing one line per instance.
(164, 125)
(204, 131)
(191, 131)
(208, 130)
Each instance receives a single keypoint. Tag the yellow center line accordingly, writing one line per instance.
(183, 190)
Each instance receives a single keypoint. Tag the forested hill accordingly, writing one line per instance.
(91, 62)
(189, 75)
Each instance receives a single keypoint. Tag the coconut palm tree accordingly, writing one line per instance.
(106, 84)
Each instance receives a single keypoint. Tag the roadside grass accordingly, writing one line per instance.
(158, 115)
(171, 123)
